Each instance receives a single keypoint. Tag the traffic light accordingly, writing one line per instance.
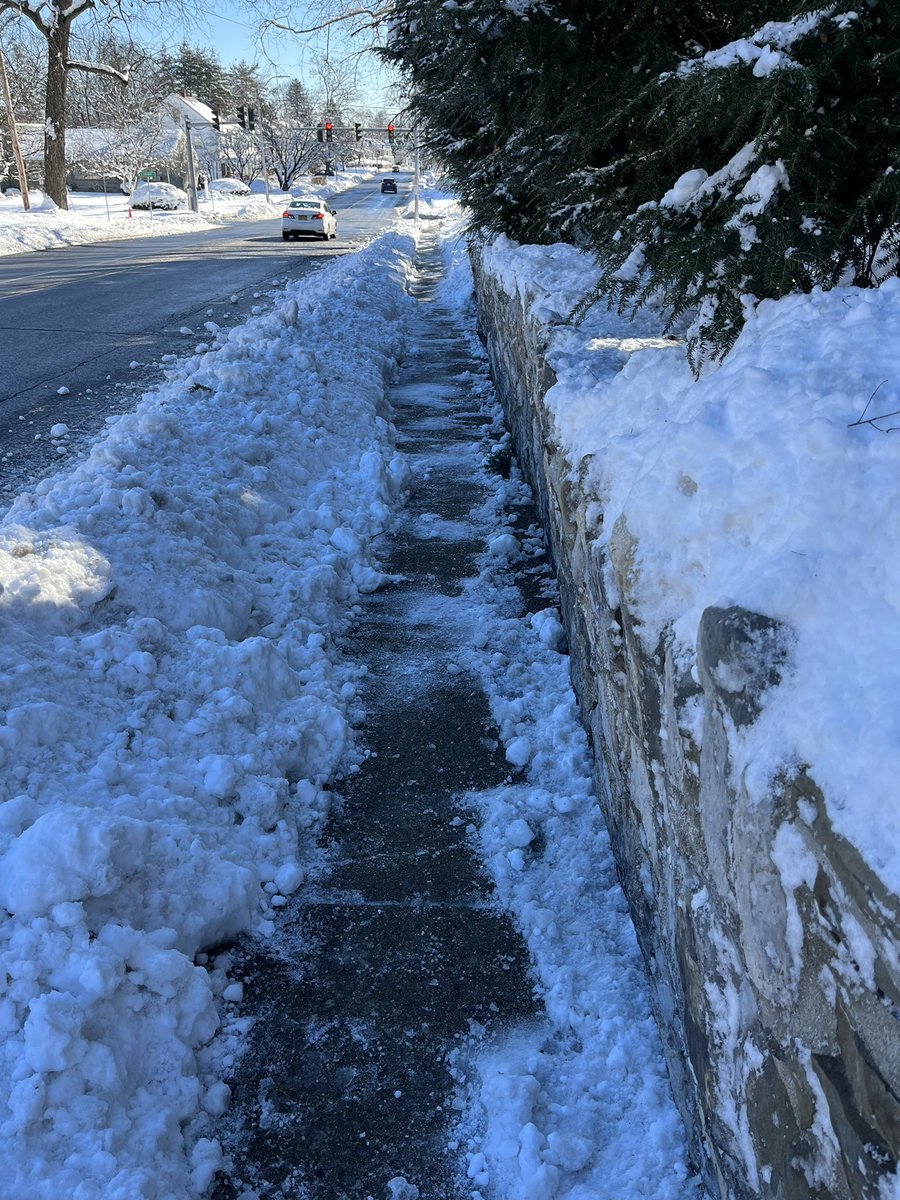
(358, 129)
(215, 119)
(328, 128)
(242, 117)
(251, 119)
(391, 134)
(320, 135)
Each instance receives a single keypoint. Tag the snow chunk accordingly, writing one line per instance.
(548, 627)
(767, 49)
(68, 854)
(520, 834)
(288, 878)
(50, 580)
(684, 188)
(217, 1098)
(505, 546)
(400, 1189)
(519, 752)
(797, 867)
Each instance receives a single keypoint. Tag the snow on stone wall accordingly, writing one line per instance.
(770, 942)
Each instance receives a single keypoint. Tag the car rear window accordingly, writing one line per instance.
(305, 204)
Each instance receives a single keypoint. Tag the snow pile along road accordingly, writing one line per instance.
(173, 707)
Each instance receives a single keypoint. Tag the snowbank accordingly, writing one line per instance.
(434, 204)
(758, 486)
(577, 1105)
(173, 708)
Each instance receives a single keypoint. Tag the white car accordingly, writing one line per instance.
(230, 187)
(158, 195)
(308, 218)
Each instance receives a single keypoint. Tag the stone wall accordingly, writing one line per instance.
(771, 946)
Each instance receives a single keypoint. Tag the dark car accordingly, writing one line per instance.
(389, 185)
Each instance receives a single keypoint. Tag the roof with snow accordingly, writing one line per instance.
(188, 106)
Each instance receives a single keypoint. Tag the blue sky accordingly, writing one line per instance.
(232, 32)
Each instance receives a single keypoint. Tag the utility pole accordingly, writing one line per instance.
(248, 122)
(192, 181)
(14, 136)
(265, 169)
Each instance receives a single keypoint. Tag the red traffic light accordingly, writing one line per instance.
(390, 133)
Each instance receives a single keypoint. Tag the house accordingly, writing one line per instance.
(100, 159)
(176, 110)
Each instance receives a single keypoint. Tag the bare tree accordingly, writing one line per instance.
(100, 100)
(240, 153)
(357, 19)
(288, 120)
(336, 86)
(54, 19)
(26, 68)
(345, 34)
(127, 146)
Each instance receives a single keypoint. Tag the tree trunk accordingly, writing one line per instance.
(55, 125)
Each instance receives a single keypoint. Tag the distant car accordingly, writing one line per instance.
(306, 217)
(158, 195)
(389, 185)
(230, 187)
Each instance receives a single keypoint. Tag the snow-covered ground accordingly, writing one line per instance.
(576, 1105)
(95, 217)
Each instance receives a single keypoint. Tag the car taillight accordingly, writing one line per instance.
(285, 214)
(319, 216)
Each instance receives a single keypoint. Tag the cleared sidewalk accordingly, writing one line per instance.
(401, 955)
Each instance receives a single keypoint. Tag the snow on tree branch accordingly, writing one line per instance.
(46, 14)
(124, 77)
(767, 49)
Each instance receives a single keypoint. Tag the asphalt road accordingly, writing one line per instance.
(97, 319)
